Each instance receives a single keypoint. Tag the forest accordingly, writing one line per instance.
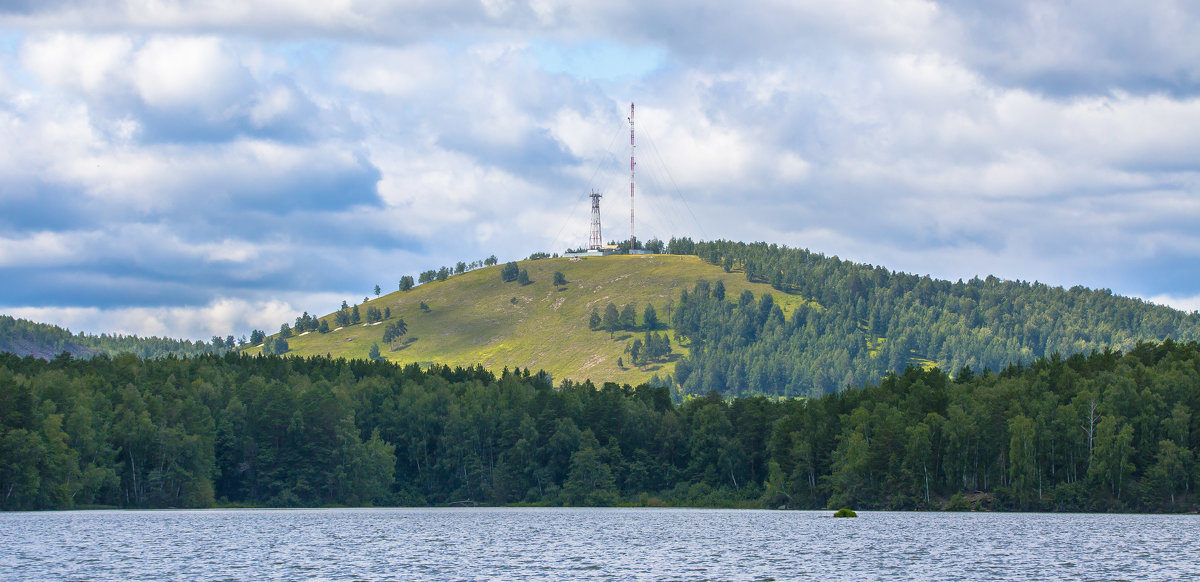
(1107, 431)
(24, 337)
(860, 322)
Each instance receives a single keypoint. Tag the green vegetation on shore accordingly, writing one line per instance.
(1105, 432)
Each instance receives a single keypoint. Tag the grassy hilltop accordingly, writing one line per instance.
(829, 323)
(475, 318)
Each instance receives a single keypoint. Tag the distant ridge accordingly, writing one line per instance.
(40, 340)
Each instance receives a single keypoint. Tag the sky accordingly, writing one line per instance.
(193, 168)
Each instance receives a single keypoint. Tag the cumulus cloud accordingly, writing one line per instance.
(161, 155)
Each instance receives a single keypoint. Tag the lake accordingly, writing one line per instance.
(591, 544)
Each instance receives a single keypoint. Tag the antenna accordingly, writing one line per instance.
(632, 164)
(597, 241)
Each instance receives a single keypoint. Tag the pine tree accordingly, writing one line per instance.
(628, 317)
(650, 317)
(612, 319)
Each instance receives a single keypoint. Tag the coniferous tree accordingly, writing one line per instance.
(628, 317)
(394, 332)
(650, 317)
(612, 319)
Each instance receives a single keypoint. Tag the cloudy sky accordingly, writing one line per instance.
(189, 168)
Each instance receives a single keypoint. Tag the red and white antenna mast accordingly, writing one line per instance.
(632, 165)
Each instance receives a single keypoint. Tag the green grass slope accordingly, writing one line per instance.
(475, 318)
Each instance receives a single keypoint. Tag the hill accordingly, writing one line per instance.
(476, 318)
(747, 319)
(875, 321)
(27, 338)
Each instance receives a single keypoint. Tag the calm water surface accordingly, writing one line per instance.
(591, 544)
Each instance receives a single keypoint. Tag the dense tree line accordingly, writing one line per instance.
(442, 273)
(24, 337)
(862, 321)
(1100, 432)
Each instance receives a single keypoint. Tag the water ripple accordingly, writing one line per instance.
(591, 544)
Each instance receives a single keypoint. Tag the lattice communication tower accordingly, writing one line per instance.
(597, 240)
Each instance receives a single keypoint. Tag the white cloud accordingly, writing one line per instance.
(233, 148)
(223, 316)
(90, 64)
(189, 72)
(1185, 303)
(41, 248)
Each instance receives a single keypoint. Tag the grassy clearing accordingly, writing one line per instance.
(477, 318)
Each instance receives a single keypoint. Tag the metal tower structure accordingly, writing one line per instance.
(597, 241)
(632, 165)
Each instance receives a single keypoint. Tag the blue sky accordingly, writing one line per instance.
(187, 168)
